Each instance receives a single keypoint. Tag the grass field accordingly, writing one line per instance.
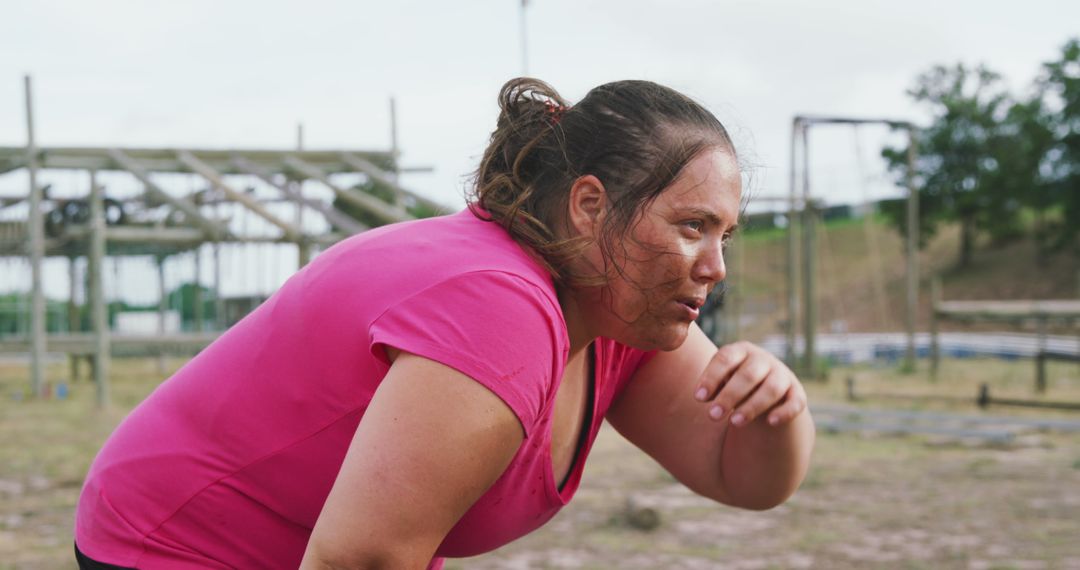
(869, 501)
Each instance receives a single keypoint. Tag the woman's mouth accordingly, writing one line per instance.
(692, 307)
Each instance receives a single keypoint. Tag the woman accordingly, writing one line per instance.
(432, 388)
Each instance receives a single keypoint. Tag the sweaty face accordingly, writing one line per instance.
(664, 269)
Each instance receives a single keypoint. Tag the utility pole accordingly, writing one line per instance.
(524, 40)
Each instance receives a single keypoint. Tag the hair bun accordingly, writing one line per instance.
(526, 99)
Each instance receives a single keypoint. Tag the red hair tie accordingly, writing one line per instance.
(555, 112)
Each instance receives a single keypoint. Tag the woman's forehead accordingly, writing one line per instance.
(711, 180)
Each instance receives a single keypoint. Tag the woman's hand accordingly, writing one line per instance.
(743, 382)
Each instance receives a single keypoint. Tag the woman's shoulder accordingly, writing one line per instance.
(439, 249)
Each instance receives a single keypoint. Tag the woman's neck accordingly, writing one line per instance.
(576, 326)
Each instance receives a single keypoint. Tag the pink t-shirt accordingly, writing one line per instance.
(228, 463)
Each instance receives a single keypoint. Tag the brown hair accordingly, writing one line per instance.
(634, 136)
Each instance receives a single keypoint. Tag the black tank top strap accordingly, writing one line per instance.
(87, 563)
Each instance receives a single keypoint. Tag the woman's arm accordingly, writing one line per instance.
(752, 464)
(431, 442)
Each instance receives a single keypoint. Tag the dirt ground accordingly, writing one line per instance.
(870, 501)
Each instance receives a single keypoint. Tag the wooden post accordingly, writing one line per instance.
(219, 301)
(299, 184)
(162, 306)
(36, 253)
(810, 290)
(22, 315)
(809, 245)
(95, 269)
(1040, 379)
(197, 296)
(73, 312)
(737, 298)
(303, 246)
(935, 347)
(1040, 372)
(792, 256)
(912, 252)
(395, 153)
(394, 149)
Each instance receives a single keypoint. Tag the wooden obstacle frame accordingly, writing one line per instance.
(1042, 313)
(84, 227)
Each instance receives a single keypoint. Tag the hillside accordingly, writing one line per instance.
(861, 276)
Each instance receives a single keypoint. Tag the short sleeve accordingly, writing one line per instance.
(497, 328)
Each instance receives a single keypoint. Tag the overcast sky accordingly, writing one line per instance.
(220, 74)
(243, 74)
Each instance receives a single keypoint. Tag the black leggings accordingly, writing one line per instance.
(87, 563)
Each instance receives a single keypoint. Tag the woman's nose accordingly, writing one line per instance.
(710, 266)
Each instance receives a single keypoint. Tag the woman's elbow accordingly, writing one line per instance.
(761, 498)
(758, 491)
(765, 500)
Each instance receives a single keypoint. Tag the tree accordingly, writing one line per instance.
(959, 156)
(1025, 137)
(1059, 84)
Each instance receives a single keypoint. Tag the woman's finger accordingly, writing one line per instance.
(794, 404)
(727, 359)
(743, 382)
(770, 392)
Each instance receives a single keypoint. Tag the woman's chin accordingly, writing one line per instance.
(673, 345)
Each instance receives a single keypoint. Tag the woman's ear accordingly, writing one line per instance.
(587, 206)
